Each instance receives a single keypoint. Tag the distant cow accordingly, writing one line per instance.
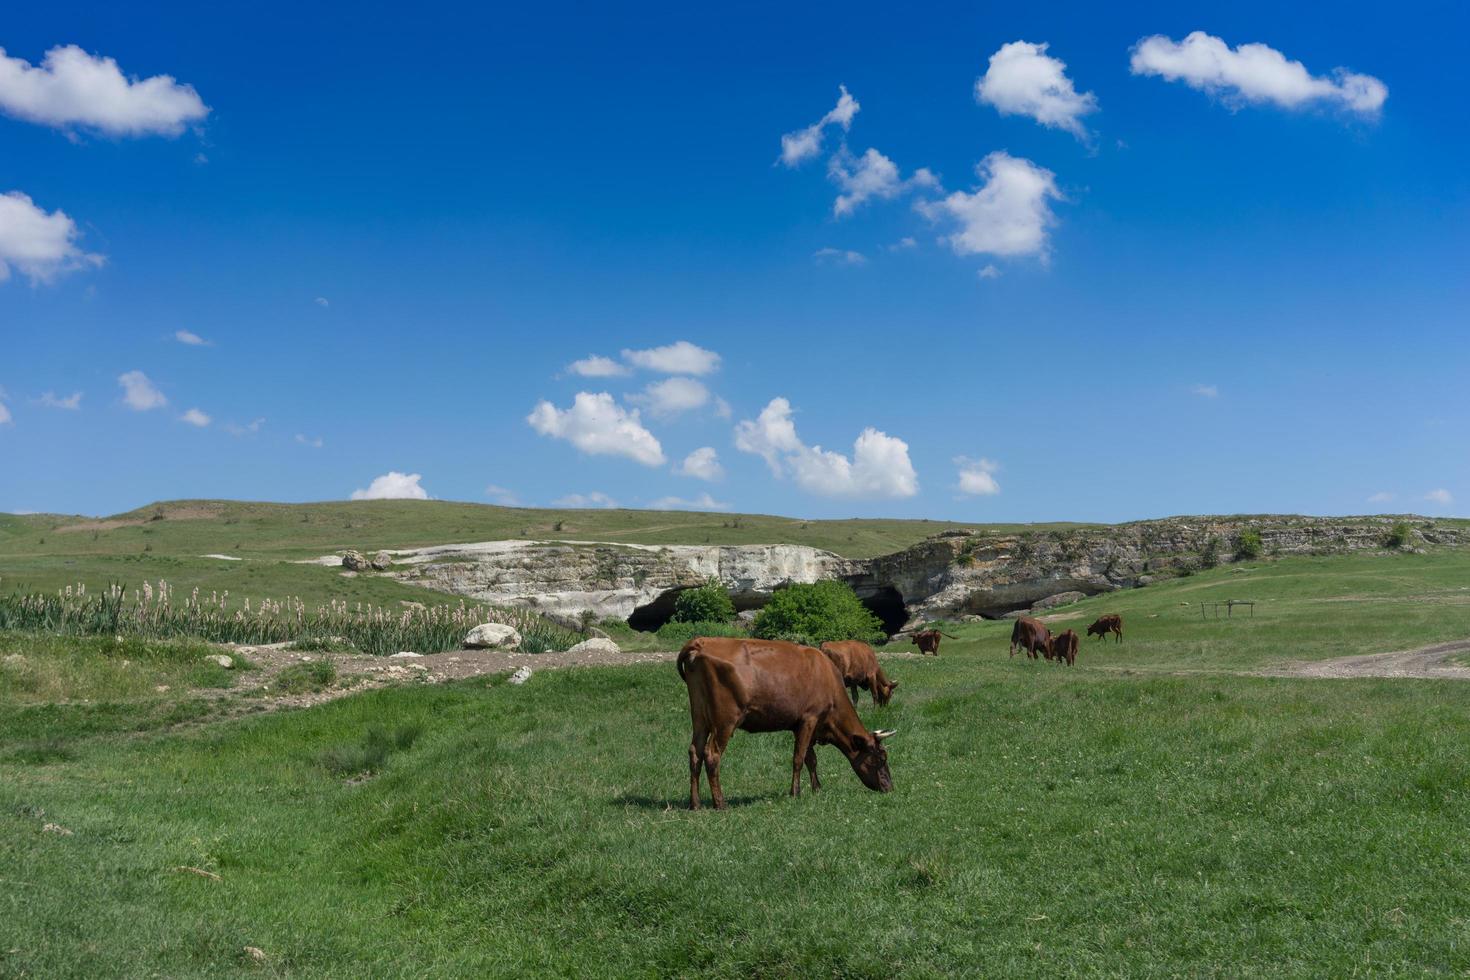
(858, 665)
(1030, 635)
(773, 686)
(1111, 623)
(928, 640)
(1064, 647)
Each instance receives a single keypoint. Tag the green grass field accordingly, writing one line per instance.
(1155, 810)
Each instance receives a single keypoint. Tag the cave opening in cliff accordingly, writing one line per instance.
(887, 604)
(648, 617)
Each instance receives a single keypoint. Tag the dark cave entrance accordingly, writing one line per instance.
(648, 617)
(887, 604)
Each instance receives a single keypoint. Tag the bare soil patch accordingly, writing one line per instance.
(1426, 662)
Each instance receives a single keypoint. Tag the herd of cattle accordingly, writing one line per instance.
(775, 686)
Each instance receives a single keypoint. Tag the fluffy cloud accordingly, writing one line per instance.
(803, 144)
(42, 246)
(71, 88)
(5, 417)
(1254, 73)
(594, 500)
(838, 256)
(989, 272)
(702, 464)
(1205, 391)
(314, 443)
(70, 403)
(139, 393)
(195, 418)
(248, 429)
(879, 466)
(322, 301)
(596, 366)
(680, 357)
(1441, 496)
(1008, 215)
(190, 338)
(502, 496)
(1023, 80)
(393, 485)
(870, 176)
(598, 426)
(672, 396)
(977, 477)
(703, 502)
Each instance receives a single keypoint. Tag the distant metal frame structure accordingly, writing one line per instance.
(1229, 605)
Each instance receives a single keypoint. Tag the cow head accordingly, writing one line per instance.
(883, 693)
(870, 760)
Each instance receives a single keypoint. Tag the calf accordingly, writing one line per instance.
(1032, 636)
(1111, 623)
(858, 665)
(773, 686)
(1064, 648)
(928, 641)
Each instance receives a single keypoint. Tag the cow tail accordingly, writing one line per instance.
(685, 656)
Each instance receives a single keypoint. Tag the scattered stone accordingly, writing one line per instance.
(353, 561)
(255, 953)
(493, 636)
(1016, 614)
(223, 659)
(15, 660)
(1060, 599)
(56, 828)
(597, 644)
(747, 616)
(382, 561)
(521, 675)
(161, 689)
(404, 655)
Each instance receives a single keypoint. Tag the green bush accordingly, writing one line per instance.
(1399, 535)
(816, 614)
(1209, 555)
(1248, 545)
(674, 634)
(709, 603)
(306, 678)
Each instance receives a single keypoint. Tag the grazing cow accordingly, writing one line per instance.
(928, 641)
(773, 686)
(858, 665)
(1030, 635)
(1064, 648)
(1111, 623)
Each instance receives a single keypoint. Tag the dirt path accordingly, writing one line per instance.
(1431, 661)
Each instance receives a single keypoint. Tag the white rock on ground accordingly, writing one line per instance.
(492, 636)
(597, 644)
(404, 655)
(222, 659)
(354, 561)
(521, 675)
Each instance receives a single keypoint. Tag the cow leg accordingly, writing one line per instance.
(803, 746)
(696, 761)
(852, 689)
(811, 767)
(714, 751)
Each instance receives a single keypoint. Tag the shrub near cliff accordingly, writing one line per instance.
(817, 613)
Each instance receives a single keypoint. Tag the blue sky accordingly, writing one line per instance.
(1189, 277)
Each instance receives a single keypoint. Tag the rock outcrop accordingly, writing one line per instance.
(492, 636)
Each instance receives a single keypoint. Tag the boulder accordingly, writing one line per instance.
(521, 675)
(747, 616)
(381, 561)
(405, 655)
(598, 644)
(222, 659)
(492, 636)
(353, 561)
(1060, 599)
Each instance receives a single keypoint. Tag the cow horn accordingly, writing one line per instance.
(883, 733)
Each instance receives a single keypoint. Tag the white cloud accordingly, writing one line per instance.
(1441, 496)
(71, 88)
(989, 272)
(314, 443)
(1382, 497)
(594, 500)
(977, 476)
(5, 416)
(598, 426)
(1254, 73)
(70, 403)
(722, 408)
(672, 396)
(680, 357)
(904, 243)
(596, 366)
(321, 301)
(249, 428)
(1023, 80)
(869, 176)
(42, 246)
(1008, 215)
(803, 144)
(879, 466)
(502, 496)
(1205, 391)
(702, 464)
(703, 502)
(838, 256)
(195, 418)
(190, 338)
(393, 485)
(139, 393)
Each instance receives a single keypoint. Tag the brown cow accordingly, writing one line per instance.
(858, 665)
(773, 686)
(928, 641)
(1064, 648)
(1030, 635)
(1111, 623)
